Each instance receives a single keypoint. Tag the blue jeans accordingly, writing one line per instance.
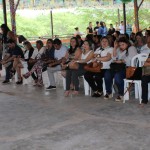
(119, 81)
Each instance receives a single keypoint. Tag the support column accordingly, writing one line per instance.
(4, 11)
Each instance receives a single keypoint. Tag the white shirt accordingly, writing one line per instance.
(132, 51)
(121, 27)
(37, 53)
(103, 53)
(58, 54)
(145, 49)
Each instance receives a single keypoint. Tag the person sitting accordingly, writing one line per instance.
(37, 53)
(72, 74)
(13, 54)
(59, 53)
(146, 47)
(145, 81)
(41, 64)
(102, 54)
(123, 52)
(139, 41)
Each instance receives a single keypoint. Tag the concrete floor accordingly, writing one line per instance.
(33, 119)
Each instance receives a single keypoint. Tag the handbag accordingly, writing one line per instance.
(117, 67)
(93, 67)
(145, 70)
(130, 72)
(134, 73)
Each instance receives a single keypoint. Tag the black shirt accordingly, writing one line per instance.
(17, 51)
(90, 29)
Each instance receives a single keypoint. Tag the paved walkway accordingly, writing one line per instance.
(33, 119)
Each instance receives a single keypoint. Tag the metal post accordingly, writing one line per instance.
(118, 16)
(4, 11)
(124, 16)
(51, 14)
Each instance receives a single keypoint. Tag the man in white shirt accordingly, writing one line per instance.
(60, 52)
(121, 27)
(146, 47)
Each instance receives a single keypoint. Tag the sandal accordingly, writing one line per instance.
(75, 92)
(67, 93)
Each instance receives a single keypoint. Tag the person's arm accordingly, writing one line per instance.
(116, 45)
(87, 30)
(9, 59)
(105, 58)
(147, 63)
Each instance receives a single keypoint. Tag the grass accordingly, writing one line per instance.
(65, 22)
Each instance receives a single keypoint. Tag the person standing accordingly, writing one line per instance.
(89, 29)
(96, 28)
(111, 30)
(121, 27)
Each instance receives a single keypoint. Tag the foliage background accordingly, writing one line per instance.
(76, 14)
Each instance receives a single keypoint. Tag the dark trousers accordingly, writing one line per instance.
(72, 76)
(95, 80)
(8, 75)
(145, 81)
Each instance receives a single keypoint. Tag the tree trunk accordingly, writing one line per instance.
(136, 16)
(124, 16)
(13, 15)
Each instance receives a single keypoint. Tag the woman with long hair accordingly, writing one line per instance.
(123, 52)
(72, 75)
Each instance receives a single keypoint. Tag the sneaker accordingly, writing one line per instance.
(108, 96)
(6, 81)
(119, 99)
(51, 87)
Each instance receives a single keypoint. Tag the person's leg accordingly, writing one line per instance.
(33, 74)
(108, 81)
(51, 71)
(39, 74)
(75, 77)
(99, 80)
(89, 77)
(7, 69)
(68, 79)
(145, 81)
(119, 80)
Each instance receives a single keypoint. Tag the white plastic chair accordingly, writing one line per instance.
(137, 61)
(149, 91)
(24, 70)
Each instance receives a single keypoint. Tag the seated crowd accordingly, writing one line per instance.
(54, 56)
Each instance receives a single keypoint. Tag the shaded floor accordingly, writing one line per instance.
(34, 119)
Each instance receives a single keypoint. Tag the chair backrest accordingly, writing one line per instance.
(138, 60)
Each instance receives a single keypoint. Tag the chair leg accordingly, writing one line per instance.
(126, 96)
(86, 87)
(136, 91)
(140, 92)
